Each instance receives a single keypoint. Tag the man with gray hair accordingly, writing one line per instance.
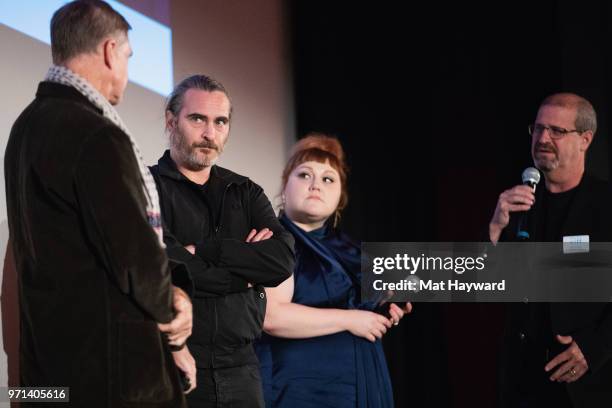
(221, 226)
(96, 299)
(558, 354)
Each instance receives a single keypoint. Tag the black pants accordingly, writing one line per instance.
(234, 387)
(554, 395)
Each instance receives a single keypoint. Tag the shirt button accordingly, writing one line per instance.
(522, 336)
(261, 295)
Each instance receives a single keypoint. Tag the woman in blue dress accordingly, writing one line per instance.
(322, 344)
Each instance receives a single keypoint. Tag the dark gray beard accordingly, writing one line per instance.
(187, 154)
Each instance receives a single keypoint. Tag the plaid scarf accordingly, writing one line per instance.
(64, 76)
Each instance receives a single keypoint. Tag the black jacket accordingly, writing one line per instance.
(93, 277)
(228, 315)
(590, 324)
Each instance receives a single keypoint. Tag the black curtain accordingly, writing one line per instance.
(432, 103)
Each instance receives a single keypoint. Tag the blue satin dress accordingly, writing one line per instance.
(338, 370)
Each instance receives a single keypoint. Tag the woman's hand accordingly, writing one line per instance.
(397, 312)
(366, 324)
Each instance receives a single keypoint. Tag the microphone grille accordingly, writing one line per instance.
(531, 175)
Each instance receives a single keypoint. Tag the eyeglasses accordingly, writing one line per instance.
(554, 131)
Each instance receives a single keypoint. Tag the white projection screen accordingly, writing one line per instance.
(242, 44)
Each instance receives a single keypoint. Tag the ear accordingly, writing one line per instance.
(109, 49)
(170, 121)
(585, 140)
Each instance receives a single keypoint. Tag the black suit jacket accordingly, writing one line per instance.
(590, 324)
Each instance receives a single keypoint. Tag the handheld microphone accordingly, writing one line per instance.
(531, 178)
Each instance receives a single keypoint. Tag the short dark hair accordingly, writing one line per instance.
(201, 82)
(79, 26)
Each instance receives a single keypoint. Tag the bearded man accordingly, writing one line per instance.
(221, 226)
(558, 354)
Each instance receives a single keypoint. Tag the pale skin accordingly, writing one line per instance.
(204, 120)
(179, 329)
(186, 363)
(177, 332)
(311, 196)
(562, 163)
(106, 69)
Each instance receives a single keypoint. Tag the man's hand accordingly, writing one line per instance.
(180, 327)
(186, 363)
(571, 362)
(518, 198)
(262, 235)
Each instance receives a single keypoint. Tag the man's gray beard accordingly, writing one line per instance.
(546, 165)
(193, 162)
(188, 156)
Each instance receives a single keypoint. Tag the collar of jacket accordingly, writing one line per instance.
(219, 176)
(48, 89)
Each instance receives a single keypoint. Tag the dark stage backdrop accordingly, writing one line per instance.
(432, 105)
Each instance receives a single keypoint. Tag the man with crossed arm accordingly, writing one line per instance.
(221, 226)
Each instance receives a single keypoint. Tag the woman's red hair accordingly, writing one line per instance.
(320, 148)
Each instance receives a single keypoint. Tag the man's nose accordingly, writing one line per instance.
(208, 132)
